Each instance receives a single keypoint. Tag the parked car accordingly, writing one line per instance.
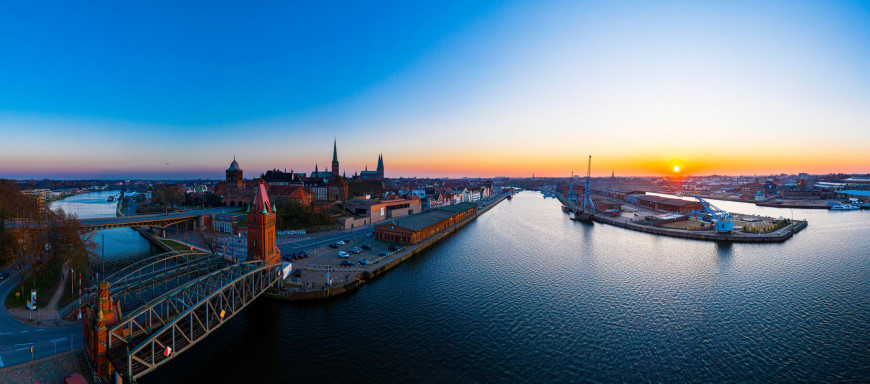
(297, 272)
(367, 246)
(356, 250)
(393, 248)
(347, 263)
(4, 275)
(333, 245)
(369, 234)
(340, 242)
(303, 254)
(384, 253)
(363, 261)
(342, 254)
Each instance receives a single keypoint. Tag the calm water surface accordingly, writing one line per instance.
(523, 294)
(123, 245)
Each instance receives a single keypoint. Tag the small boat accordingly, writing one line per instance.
(510, 197)
(111, 198)
(844, 207)
(566, 209)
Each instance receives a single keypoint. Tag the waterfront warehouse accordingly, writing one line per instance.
(415, 228)
(667, 204)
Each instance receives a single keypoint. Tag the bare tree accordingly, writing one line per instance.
(211, 238)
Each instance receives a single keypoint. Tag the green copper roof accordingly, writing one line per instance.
(274, 209)
(264, 210)
(249, 209)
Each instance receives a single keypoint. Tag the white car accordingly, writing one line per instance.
(342, 254)
(340, 242)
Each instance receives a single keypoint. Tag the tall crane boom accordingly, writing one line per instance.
(587, 195)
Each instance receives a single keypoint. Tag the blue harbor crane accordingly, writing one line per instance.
(571, 197)
(721, 220)
(587, 210)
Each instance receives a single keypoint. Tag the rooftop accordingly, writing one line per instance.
(666, 200)
(425, 219)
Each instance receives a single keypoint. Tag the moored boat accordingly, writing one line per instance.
(844, 207)
(582, 216)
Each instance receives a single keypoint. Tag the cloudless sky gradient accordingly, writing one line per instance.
(448, 88)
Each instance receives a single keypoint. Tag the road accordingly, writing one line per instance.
(238, 247)
(16, 338)
(102, 221)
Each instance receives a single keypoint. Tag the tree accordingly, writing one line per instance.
(211, 238)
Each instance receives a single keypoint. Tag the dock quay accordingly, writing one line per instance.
(777, 235)
(354, 277)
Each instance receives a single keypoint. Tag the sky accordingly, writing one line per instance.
(442, 89)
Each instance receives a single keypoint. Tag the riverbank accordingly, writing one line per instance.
(356, 278)
(777, 235)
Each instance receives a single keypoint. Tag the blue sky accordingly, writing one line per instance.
(442, 89)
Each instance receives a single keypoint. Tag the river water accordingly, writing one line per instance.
(523, 294)
(123, 245)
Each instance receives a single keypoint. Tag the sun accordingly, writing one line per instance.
(676, 168)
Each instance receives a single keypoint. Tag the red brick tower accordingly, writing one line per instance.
(261, 229)
(98, 320)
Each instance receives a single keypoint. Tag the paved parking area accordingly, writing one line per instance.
(325, 259)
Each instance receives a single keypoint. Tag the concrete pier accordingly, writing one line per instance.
(736, 236)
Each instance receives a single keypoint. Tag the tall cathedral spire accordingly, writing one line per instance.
(334, 158)
(380, 165)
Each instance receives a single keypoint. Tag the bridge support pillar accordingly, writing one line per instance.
(98, 318)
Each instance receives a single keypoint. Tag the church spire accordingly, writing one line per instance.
(334, 159)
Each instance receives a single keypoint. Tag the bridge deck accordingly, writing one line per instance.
(180, 318)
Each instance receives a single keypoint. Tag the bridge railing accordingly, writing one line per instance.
(181, 318)
(147, 273)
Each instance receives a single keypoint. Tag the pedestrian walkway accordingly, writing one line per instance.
(46, 316)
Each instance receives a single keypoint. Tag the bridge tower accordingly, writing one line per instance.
(261, 229)
(98, 318)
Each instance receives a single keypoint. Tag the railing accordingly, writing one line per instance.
(146, 273)
(181, 318)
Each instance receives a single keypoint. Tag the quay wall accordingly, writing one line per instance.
(748, 238)
(362, 277)
(707, 236)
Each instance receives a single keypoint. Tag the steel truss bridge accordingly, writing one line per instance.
(174, 300)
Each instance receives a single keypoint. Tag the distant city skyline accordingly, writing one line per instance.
(452, 89)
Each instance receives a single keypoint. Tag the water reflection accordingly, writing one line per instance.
(123, 246)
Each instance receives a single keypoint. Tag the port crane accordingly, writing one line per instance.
(571, 197)
(721, 220)
(587, 192)
(587, 210)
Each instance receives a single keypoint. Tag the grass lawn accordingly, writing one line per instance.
(45, 285)
(175, 245)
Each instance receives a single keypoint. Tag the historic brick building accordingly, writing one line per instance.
(261, 229)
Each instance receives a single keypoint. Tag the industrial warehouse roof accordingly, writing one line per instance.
(855, 193)
(625, 190)
(425, 219)
(666, 200)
